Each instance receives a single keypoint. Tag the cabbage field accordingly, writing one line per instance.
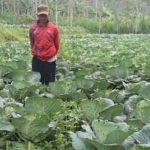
(100, 100)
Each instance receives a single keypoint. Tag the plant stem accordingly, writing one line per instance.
(7, 145)
(29, 145)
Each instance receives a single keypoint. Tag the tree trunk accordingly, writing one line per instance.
(56, 12)
(2, 6)
(96, 8)
(34, 8)
(136, 17)
(17, 8)
(71, 12)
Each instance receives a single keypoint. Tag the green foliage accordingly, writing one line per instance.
(102, 136)
(101, 95)
(112, 25)
(92, 108)
(107, 25)
(12, 34)
(91, 25)
(142, 137)
(144, 24)
(21, 19)
(68, 119)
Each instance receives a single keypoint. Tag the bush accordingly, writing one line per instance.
(92, 25)
(13, 34)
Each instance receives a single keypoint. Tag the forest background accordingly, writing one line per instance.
(96, 16)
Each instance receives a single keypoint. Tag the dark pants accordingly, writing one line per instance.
(46, 69)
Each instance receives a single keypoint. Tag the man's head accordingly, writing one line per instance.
(42, 14)
(42, 9)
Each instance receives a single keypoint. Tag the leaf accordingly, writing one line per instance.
(5, 93)
(6, 126)
(133, 87)
(111, 112)
(110, 133)
(79, 143)
(120, 118)
(4, 70)
(33, 125)
(40, 106)
(78, 96)
(85, 141)
(17, 75)
(134, 78)
(23, 146)
(33, 77)
(79, 138)
(83, 83)
(2, 102)
(101, 85)
(142, 137)
(20, 84)
(117, 137)
(138, 88)
(130, 104)
(104, 103)
(128, 143)
(100, 146)
(92, 108)
(136, 123)
(22, 93)
(144, 91)
(120, 72)
(147, 71)
(117, 96)
(61, 88)
(2, 85)
(139, 148)
(141, 111)
(31, 128)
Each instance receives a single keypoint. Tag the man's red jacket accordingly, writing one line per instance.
(44, 41)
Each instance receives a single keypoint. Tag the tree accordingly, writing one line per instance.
(17, 8)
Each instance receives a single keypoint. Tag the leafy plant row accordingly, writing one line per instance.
(100, 100)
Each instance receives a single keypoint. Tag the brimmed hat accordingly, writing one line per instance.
(42, 9)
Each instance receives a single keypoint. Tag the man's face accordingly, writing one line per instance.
(42, 19)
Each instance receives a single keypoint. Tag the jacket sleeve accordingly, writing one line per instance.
(31, 38)
(57, 39)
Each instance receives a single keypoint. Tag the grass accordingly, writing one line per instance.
(13, 34)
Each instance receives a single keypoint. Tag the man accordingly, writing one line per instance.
(44, 42)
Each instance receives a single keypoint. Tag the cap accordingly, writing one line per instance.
(42, 9)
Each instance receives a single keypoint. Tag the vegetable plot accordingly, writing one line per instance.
(100, 100)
